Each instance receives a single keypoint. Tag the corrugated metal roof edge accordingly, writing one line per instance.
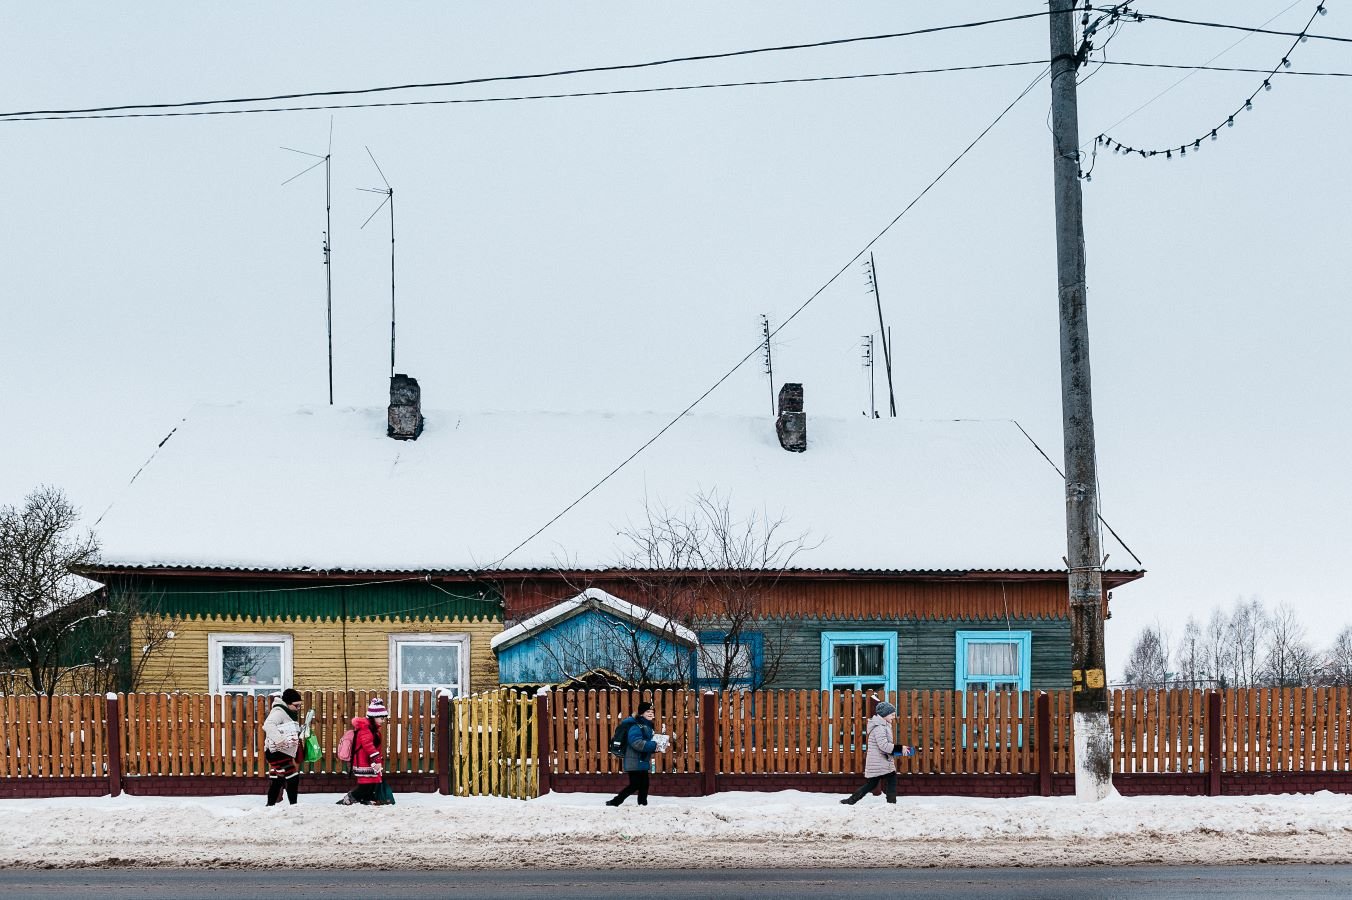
(1120, 576)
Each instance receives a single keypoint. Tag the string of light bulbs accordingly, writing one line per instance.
(1117, 146)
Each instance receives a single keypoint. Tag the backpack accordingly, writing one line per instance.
(620, 739)
(346, 744)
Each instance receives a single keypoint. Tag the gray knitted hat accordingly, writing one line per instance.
(885, 709)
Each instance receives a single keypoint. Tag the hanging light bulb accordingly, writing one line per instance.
(1321, 10)
(1089, 176)
(1230, 122)
(1248, 104)
(1168, 154)
(1267, 85)
(1213, 134)
(1182, 151)
(1286, 63)
(1197, 145)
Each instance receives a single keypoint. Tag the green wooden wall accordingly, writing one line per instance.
(925, 649)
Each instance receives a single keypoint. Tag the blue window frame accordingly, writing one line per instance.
(859, 661)
(993, 660)
(713, 651)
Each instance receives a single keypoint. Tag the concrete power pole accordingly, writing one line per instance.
(1093, 737)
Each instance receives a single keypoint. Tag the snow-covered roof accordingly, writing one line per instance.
(593, 598)
(324, 489)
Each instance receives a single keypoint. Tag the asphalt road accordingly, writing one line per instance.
(1262, 881)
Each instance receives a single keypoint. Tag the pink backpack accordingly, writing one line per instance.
(346, 744)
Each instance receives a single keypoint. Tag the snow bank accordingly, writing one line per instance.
(759, 830)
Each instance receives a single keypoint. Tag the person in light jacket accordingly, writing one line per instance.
(880, 765)
(282, 746)
(638, 755)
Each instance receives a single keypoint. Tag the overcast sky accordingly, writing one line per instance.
(615, 253)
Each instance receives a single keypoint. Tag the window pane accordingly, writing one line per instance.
(843, 660)
(429, 664)
(986, 658)
(714, 657)
(870, 659)
(259, 664)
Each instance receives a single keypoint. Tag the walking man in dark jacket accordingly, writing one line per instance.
(639, 748)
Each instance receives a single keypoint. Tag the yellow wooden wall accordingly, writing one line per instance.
(317, 651)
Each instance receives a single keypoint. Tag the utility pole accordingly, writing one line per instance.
(1093, 736)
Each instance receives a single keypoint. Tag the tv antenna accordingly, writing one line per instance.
(871, 275)
(327, 162)
(769, 363)
(866, 357)
(389, 198)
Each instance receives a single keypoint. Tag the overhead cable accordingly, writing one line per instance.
(619, 67)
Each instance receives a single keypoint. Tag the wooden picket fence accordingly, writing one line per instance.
(491, 746)
(52, 737)
(789, 732)
(492, 741)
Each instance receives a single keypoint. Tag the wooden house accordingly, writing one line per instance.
(308, 547)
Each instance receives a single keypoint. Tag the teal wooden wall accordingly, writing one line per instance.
(925, 649)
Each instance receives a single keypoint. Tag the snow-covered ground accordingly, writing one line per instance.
(758, 830)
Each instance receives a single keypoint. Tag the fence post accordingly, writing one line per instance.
(443, 742)
(1044, 743)
(113, 736)
(708, 742)
(543, 729)
(1213, 743)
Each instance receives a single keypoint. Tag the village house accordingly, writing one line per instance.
(387, 549)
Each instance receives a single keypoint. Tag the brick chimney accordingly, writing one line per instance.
(405, 420)
(791, 426)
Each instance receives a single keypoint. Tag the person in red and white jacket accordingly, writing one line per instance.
(368, 761)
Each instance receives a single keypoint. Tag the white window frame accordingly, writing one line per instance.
(214, 659)
(459, 640)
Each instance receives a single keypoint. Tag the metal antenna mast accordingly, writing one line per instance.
(389, 198)
(866, 355)
(327, 161)
(885, 332)
(769, 363)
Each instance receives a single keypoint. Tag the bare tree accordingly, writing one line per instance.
(1337, 668)
(1244, 631)
(40, 545)
(1216, 649)
(715, 571)
(1190, 662)
(1148, 663)
(1289, 660)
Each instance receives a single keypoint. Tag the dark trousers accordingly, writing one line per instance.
(283, 775)
(888, 781)
(362, 793)
(638, 784)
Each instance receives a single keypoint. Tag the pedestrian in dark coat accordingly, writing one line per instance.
(880, 765)
(282, 746)
(639, 748)
(368, 759)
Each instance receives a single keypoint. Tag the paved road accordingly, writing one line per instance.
(1155, 883)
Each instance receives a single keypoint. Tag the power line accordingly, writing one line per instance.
(1284, 73)
(782, 325)
(619, 67)
(1116, 146)
(1295, 34)
(524, 97)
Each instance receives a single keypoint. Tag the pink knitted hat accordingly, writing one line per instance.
(376, 708)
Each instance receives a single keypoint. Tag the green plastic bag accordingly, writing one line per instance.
(312, 749)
